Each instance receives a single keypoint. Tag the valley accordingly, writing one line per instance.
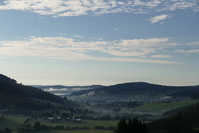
(94, 108)
(139, 99)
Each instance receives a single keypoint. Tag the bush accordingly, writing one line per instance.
(6, 130)
(59, 127)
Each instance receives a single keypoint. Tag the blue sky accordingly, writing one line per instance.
(84, 42)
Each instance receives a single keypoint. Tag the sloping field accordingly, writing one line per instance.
(11, 121)
(158, 108)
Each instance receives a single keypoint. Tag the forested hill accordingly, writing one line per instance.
(137, 88)
(5, 78)
(185, 121)
(14, 95)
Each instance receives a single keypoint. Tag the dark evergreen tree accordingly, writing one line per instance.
(132, 126)
(37, 126)
(121, 126)
(7, 130)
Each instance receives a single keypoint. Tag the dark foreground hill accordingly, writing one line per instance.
(18, 96)
(185, 121)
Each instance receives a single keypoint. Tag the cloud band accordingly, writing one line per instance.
(58, 8)
(136, 50)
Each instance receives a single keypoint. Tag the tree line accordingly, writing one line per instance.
(185, 121)
(131, 126)
(6, 130)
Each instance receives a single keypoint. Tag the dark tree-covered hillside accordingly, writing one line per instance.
(18, 96)
(185, 121)
(5, 78)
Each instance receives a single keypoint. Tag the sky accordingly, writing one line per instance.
(86, 42)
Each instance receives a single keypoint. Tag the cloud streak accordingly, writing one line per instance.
(159, 18)
(190, 48)
(60, 8)
(195, 51)
(136, 50)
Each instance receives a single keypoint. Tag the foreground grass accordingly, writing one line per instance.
(85, 123)
(12, 121)
(157, 108)
(15, 122)
(79, 131)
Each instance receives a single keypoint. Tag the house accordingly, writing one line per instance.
(78, 120)
(61, 119)
(50, 119)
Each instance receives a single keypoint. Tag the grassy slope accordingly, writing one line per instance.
(11, 121)
(160, 107)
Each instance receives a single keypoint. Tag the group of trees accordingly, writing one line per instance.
(36, 128)
(185, 121)
(6, 130)
(118, 104)
(131, 126)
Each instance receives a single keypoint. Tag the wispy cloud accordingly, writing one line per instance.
(193, 44)
(159, 18)
(161, 56)
(58, 8)
(180, 5)
(189, 48)
(136, 50)
(194, 51)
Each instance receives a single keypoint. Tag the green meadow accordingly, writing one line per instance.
(158, 108)
(79, 131)
(16, 121)
(12, 121)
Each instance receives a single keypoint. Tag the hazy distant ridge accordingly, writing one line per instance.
(137, 91)
(139, 87)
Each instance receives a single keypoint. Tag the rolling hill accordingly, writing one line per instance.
(18, 96)
(137, 91)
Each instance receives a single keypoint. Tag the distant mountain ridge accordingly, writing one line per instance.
(136, 91)
(137, 87)
(65, 90)
(62, 86)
